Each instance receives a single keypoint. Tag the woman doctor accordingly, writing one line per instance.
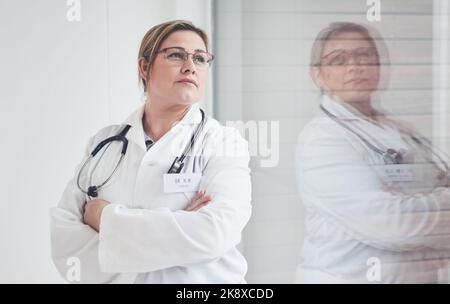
(170, 209)
(376, 192)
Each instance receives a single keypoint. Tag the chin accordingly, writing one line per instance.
(357, 96)
(186, 100)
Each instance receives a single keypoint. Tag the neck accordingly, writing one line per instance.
(364, 107)
(159, 118)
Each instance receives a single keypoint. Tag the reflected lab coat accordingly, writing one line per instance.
(145, 235)
(360, 219)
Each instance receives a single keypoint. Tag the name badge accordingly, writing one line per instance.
(183, 182)
(401, 173)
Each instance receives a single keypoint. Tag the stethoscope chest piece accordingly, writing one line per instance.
(92, 191)
(393, 157)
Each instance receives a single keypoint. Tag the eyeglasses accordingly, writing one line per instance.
(361, 56)
(179, 56)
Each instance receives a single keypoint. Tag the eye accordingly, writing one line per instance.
(363, 55)
(338, 60)
(200, 59)
(175, 55)
(366, 56)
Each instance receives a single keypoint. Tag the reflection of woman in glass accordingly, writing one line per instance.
(376, 193)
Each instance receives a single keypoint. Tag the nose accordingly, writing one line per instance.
(188, 66)
(351, 61)
(353, 66)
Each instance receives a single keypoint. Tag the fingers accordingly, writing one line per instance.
(198, 201)
(203, 202)
(198, 195)
(201, 205)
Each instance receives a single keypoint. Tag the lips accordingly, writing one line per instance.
(188, 81)
(356, 80)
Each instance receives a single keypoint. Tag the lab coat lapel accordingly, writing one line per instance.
(136, 133)
(335, 107)
(350, 117)
(383, 137)
(173, 142)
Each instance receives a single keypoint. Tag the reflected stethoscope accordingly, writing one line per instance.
(175, 168)
(390, 156)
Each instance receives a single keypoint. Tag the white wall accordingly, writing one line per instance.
(60, 82)
(263, 49)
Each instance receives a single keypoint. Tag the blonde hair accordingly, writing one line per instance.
(154, 38)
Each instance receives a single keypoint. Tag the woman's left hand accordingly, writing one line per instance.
(200, 200)
(93, 212)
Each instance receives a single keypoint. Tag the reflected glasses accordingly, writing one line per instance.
(361, 56)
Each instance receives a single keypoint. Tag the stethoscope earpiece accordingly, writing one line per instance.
(178, 163)
(176, 166)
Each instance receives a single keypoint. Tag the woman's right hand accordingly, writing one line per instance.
(198, 201)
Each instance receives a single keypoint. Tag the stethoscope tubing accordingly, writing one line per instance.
(176, 166)
(389, 153)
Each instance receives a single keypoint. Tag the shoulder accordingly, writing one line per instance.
(324, 140)
(104, 133)
(402, 125)
(320, 128)
(225, 138)
(221, 132)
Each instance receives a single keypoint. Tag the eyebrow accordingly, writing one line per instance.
(182, 48)
(335, 51)
(343, 50)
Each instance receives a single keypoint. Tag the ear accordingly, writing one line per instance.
(316, 75)
(143, 67)
(314, 72)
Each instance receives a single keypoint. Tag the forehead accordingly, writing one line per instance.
(188, 40)
(346, 41)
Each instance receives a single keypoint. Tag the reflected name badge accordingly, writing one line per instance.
(401, 173)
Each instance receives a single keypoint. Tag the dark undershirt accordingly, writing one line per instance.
(148, 141)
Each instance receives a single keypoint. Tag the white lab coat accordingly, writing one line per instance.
(145, 235)
(362, 225)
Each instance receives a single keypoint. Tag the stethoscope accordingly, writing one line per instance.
(175, 168)
(390, 156)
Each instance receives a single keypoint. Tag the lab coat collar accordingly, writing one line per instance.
(136, 133)
(344, 111)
